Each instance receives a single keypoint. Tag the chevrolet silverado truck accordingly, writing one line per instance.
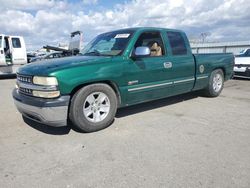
(242, 64)
(117, 69)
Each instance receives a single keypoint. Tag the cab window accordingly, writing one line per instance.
(16, 43)
(152, 40)
(177, 43)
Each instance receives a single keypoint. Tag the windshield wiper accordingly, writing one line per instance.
(95, 52)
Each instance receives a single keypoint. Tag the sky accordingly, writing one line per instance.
(50, 22)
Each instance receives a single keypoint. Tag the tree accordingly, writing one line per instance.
(204, 35)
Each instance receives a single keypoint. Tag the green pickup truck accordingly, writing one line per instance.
(117, 69)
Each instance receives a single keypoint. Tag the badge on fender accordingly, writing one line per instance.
(201, 68)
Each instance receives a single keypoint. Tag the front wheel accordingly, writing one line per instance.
(216, 83)
(93, 107)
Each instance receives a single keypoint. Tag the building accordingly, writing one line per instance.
(220, 47)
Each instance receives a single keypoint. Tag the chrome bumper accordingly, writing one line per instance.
(242, 72)
(49, 112)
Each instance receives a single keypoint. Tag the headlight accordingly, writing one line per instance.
(46, 94)
(46, 81)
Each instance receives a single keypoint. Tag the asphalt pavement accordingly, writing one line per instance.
(182, 141)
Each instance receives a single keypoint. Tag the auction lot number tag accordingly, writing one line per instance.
(124, 35)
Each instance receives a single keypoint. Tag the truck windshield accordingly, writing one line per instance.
(0, 41)
(108, 44)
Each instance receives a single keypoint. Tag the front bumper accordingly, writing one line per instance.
(53, 112)
(242, 71)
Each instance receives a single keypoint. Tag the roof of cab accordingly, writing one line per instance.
(10, 35)
(147, 28)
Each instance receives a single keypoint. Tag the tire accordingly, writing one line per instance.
(216, 83)
(93, 107)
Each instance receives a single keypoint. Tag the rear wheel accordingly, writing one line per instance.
(216, 83)
(93, 107)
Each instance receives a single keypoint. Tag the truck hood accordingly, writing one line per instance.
(44, 68)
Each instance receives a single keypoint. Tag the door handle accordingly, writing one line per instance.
(1, 51)
(167, 65)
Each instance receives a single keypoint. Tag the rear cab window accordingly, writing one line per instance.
(16, 43)
(177, 43)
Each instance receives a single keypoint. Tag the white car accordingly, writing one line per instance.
(242, 64)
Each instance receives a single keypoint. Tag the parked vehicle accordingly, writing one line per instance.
(74, 46)
(12, 54)
(244, 53)
(47, 57)
(242, 64)
(117, 69)
(30, 56)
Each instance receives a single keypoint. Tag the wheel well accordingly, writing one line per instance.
(108, 82)
(223, 70)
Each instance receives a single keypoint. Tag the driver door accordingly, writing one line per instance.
(147, 77)
(19, 55)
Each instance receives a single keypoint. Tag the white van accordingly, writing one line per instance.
(12, 54)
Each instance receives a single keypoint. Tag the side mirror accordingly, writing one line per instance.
(142, 51)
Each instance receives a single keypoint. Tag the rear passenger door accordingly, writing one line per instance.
(182, 61)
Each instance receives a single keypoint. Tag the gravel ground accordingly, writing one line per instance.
(183, 141)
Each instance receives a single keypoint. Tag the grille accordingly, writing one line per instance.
(24, 78)
(25, 91)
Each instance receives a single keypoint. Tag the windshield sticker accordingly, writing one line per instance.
(124, 35)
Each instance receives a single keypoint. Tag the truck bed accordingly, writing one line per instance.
(206, 63)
